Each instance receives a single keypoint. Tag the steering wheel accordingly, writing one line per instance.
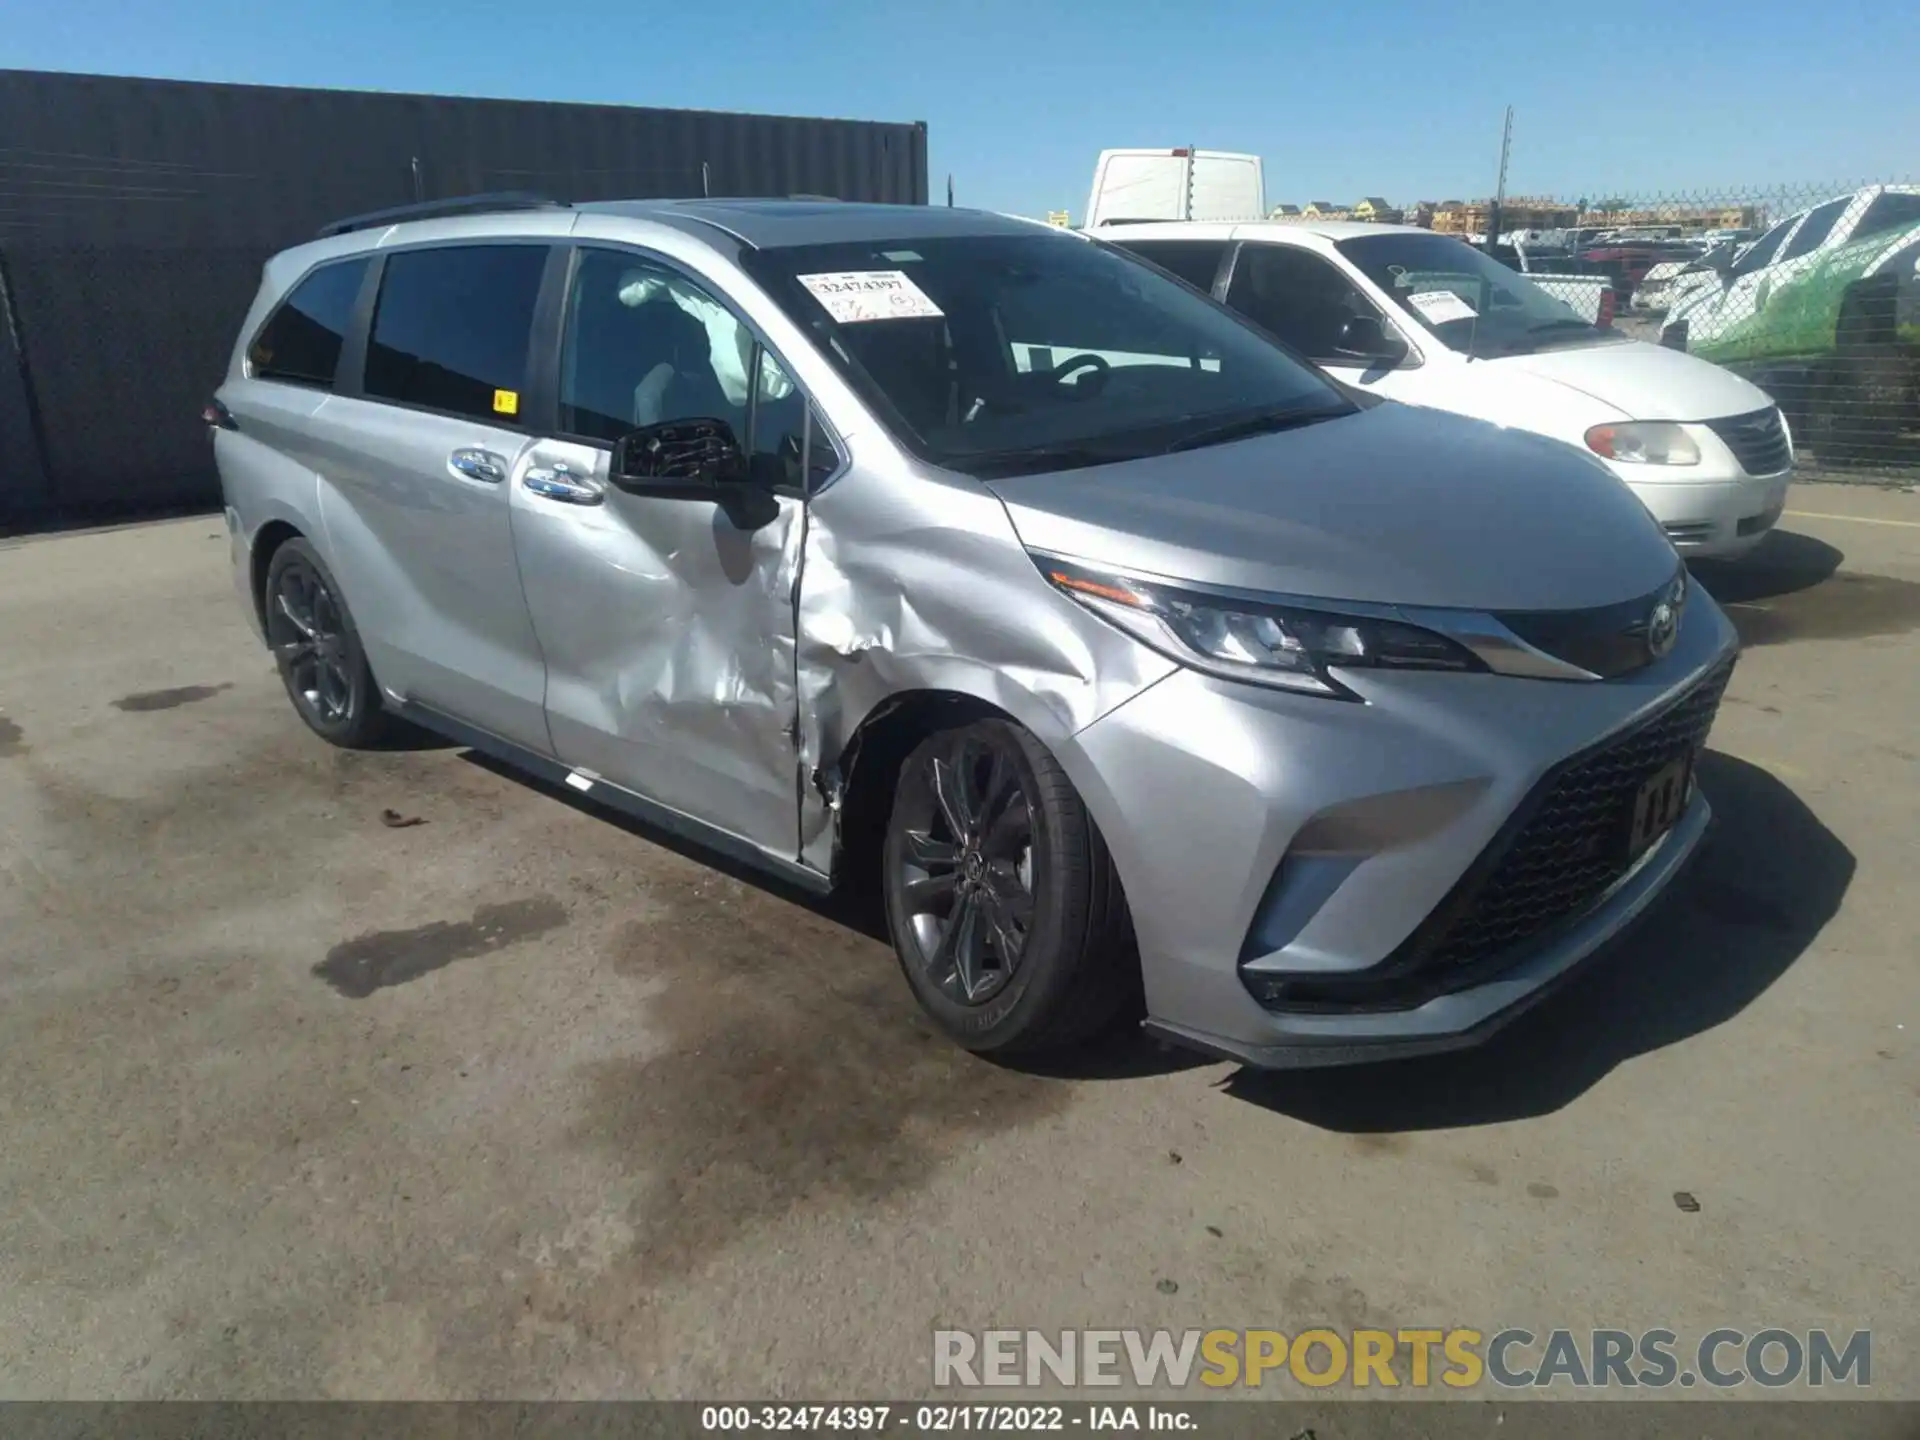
(1097, 379)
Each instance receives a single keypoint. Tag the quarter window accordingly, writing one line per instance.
(1195, 261)
(1761, 255)
(302, 342)
(451, 329)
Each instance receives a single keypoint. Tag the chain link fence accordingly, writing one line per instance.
(1811, 291)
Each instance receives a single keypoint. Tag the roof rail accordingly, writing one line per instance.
(505, 200)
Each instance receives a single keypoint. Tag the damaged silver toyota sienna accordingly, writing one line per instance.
(1141, 664)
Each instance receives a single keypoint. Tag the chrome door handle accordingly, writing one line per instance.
(559, 482)
(481, 465)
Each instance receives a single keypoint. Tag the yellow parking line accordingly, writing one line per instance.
(1856, 519)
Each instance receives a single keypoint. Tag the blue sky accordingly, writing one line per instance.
(1393, 98)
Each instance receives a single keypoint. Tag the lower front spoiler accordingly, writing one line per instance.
(1463, 1018)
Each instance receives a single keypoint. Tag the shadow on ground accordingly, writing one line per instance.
(1766, 881)
(1785, 563)
(1122, 1053)
(1791, 588)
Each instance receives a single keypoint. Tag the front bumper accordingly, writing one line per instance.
(1203, 788)
(1713, 510)
(1712, 519)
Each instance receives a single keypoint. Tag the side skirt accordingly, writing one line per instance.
(605, 792)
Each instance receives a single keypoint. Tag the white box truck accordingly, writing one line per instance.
(1134, 186)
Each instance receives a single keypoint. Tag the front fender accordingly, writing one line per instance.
(912, 584)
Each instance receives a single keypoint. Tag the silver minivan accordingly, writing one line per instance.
(1144, 666)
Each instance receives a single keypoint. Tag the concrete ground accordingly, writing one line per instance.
(519, 1101)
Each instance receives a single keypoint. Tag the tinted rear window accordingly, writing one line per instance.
(452, 327)
(302, 342)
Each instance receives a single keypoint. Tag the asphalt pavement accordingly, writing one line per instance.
(394, 1075)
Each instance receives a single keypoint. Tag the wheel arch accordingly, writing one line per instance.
(1868, 314)
(869, 764)
(267, 540)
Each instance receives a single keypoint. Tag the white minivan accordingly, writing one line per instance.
(1427, 319)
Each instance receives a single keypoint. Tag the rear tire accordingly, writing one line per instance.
(1003, 903)
(318, 650)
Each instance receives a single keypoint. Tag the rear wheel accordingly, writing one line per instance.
(1003, 903)
(318, 650)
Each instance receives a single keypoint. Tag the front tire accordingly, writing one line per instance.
(1003, 903)
(318, 650)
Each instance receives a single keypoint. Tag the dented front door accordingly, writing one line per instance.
(667, 623)
(667, 627)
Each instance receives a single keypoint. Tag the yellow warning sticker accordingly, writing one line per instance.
(506, 402)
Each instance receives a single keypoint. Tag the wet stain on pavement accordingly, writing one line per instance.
(786, 1067)
(149, 700)
(1540, 1190)
(1842, 607)
(357, 968)
(11, 741)
(1380, 1144)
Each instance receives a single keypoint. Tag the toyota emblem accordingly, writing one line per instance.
(1663, 623)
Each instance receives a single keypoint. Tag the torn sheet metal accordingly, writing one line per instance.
(918, 583)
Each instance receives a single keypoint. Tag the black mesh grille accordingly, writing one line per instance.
(1561, 851)
(1758, 441)
(1573, 845)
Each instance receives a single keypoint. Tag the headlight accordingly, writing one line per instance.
(1644, 442)
(1284, 645)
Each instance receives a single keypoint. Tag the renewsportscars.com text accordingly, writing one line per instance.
(1457, 1358)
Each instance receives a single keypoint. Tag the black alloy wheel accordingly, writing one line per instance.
(967, 866)
(313, 640)
(1004, 905)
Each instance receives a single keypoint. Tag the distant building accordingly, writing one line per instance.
(1455, 217)
(1376, 210)
(1327, 210)
(1284, 212)
(1692, 218)
(1059, 218)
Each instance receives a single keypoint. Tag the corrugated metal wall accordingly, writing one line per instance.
(135, 216)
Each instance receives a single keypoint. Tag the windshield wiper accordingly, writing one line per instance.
(1267, 422)
(1039, 459)
(1572, 324)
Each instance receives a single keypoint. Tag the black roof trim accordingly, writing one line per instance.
(504, 201)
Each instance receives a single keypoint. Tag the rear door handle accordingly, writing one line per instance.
(481, 465)
(559, 482)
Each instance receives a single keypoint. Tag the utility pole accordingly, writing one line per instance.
(1500, 187)
(949, 189)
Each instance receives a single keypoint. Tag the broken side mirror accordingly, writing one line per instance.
(678, 457)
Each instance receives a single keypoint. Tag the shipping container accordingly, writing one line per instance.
(135, 215)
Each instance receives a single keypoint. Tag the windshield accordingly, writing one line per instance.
(1469, 302)
(997, 354)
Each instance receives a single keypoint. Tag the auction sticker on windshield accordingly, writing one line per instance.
(854, 295)
(1437, 307)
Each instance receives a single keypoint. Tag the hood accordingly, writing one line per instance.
(1395, 505)
(1642, 381)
